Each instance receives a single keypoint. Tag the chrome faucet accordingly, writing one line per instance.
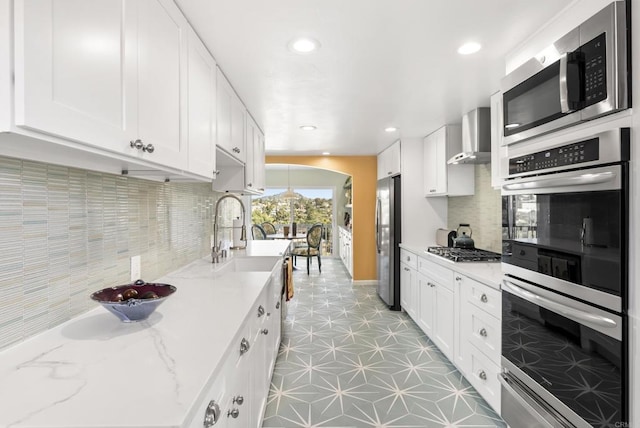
(216, 250)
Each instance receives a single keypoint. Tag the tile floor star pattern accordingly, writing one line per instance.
(347, 361)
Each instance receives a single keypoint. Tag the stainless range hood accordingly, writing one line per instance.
(476, 138)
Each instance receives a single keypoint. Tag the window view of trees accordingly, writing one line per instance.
(309, 208)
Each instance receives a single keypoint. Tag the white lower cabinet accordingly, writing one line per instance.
(436, 304)
(409, 283)
(345, 249)
(460, 315)
(238, 395)
(479, 336)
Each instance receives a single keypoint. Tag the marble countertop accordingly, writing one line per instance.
(487, 273)
(95, 371)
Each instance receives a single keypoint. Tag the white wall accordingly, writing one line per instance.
(570, 18)
(421, 216)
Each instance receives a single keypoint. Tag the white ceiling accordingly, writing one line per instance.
(381, 63)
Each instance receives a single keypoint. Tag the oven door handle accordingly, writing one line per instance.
(580, 178)
(572, 313)
(528, 403)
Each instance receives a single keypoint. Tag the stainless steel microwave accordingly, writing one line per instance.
(582, 76)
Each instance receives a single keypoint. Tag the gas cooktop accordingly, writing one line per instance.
(465, 254)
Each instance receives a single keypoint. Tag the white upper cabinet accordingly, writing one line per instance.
(231, 115)
(202, 108)
(254, 167)
(441, 179)
(104, 73)
(389, 161)
(499, 160)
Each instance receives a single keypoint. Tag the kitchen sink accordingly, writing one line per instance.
(246, 264)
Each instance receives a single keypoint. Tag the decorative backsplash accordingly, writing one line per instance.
(483, 211)
(65, 233)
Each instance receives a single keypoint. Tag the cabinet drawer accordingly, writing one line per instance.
(482, 296)
(484, 377)
(440, 274)
(408, 258)
(483, 331)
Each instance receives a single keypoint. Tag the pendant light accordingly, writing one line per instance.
(289, 194)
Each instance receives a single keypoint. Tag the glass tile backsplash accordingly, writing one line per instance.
(66, 232)
(483, 211)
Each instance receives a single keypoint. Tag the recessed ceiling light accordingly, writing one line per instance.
(512, 125)
(390, 129)
(469, 48)
(326, 153)
(304, 45)
(308, 128)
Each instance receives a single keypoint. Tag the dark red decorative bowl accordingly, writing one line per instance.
(133, 302)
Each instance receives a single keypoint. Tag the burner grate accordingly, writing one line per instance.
(465, 254)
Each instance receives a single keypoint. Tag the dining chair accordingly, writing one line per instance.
(312, 249)
(269, 228)
(258, 233)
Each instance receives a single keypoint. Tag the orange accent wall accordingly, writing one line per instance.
(363, 170)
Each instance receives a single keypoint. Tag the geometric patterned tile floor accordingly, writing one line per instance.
(347, 361)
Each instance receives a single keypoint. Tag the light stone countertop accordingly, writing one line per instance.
(95, 371)
(487, 273)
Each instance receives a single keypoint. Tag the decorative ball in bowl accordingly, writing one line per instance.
(133, 302)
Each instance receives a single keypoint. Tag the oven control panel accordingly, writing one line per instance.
(576, 153)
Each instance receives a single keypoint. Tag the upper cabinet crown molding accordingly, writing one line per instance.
(441, 179)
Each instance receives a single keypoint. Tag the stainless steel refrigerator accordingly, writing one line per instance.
(388, 240)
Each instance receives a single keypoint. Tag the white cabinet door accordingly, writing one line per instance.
(499, 161)
(389, 161)
(73, 59)
(105, 73)
(425, 311)
(430, 153)
(254, 167)
(162, 86)
(202, 105)
(405, 287)
(443, 320)
(441, 179)
(231, 119)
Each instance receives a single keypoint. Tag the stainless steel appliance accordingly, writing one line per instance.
(388, 240)
(465, 254)
(476, 137)
(580, 77)
(564, 291)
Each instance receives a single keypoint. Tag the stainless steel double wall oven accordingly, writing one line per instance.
(565, 284)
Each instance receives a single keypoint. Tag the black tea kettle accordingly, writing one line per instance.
(463, 240)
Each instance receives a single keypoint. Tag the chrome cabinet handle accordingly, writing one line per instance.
(233, 413)
(136, 144)
(458, 278)
(483, 332)
(265, 331)
(389, 172)
(148, 148)
(211, 414)
(244, 346)
(432, 190)
(482, 375)
(277, 305)
(236, 150)
(484, 298)
(430, 284)
(239, 399)
(260, 311)
(407, 269)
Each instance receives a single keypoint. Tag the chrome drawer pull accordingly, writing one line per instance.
(233, 413)
(238, 400)
(484, 298)
(211, 414)
(244, 346)
(483, 332)
(482, 375)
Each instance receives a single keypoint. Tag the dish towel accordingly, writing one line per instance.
(289, 279)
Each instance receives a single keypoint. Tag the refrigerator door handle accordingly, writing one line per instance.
(378, 210)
